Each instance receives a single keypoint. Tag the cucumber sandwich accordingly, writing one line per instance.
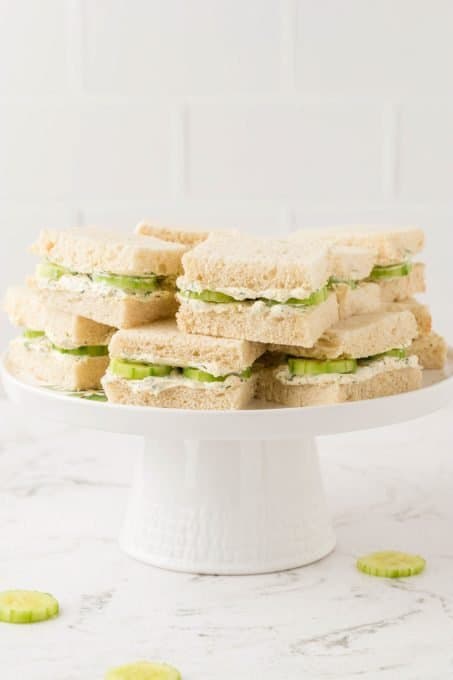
(57, 349)
(261, 290)
(393, 277)
(120, 280)
(361, 357)
(160, 365)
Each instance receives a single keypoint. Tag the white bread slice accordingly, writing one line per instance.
(350, 262)
(26, 307)
(120, 312)
(360, 336)
(53, 368)
(247, 267)
(258, 322)
(383, 383)
(431, 350)
(404, 287)
(89, 249)
(231, 394)
(421, 313)
(391, 245)
(364, 298)
(188, 236)
(164, 343)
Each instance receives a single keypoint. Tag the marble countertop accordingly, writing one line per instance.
(62, 497)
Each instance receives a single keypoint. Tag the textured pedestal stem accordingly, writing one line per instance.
(228, 507)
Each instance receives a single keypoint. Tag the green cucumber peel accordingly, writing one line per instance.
(85, 351)
(32, 335)
(397, 353)
(392, 271)
(333, 281)
(302, 366)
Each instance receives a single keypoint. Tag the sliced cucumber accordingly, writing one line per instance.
(208, 296)
(86, 351)
(398, 353)
(49, 270)
(133, 284)
(391, 564)
(144, 670)
(27, 606)
(31, 335)
(317, 367)
(391, 271)
(134, 370)
(246, 373)
(333, 281)
(315, 298)
(201, 376)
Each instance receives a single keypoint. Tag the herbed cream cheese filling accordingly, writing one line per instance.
(248, 294)
(82, 283)
(155, 385)
(216, 368)
(362, 373)
(257, 307)
(44, 346)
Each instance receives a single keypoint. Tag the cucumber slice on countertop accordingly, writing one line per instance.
(134, 284)
(144, 670)
(391, 564)
(391, 271)
(317, 367)
(208, 296)
(86, 351)
(49, 270)
(27, 606)
(137, 371)
(201, 376)
(32, 335)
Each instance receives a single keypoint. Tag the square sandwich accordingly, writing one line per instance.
(57, 349)
(358, 358)
(430, 347)
(394, 272)
(159, 365)
(120, 280)
(256, 289)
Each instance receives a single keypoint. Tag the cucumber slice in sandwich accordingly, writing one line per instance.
(208, 296)
(134, 370)
(397, 353)
(27, 606)
(314, 299)
(144, 670)
(133, 284)
(390, 272)
(317, 367)
(32, 335)
(49, 270)
(86, 351)
(203, 376)
(391, 564)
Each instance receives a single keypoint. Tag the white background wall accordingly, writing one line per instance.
(261, 114)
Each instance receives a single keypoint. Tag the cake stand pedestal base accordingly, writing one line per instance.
(228, 507)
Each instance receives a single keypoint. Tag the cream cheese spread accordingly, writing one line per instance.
(363, 372)
(81, 283)
(156, 385)
(242, 294)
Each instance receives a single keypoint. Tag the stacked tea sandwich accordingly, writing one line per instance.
(376, 351)
(266, 295)
(88, 284)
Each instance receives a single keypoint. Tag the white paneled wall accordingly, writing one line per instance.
(262, 114)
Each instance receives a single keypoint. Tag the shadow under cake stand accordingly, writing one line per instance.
(230, 492)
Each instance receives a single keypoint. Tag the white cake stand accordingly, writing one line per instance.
(230, 492)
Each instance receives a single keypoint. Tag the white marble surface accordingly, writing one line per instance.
(62, 496)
